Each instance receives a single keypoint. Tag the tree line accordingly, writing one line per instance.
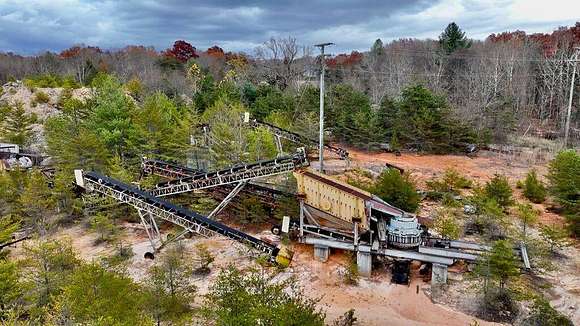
(507, 82)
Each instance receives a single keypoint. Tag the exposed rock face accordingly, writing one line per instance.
(15, 92)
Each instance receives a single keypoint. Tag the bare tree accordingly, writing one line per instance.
(279, 59)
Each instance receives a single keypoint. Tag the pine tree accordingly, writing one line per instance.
(10, 287)
(37, 203)
(378, 49)
(500, 264)
(453, 38)
(17, 126)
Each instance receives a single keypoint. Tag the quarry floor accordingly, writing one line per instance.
(375, 300)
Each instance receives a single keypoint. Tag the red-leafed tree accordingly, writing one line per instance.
(564, 38)
(182, 51)
(345, 60)
(78, 50)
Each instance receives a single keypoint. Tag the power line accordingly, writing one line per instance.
(413, 74)
(436, 54)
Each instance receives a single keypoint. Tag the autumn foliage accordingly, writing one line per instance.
(182, 51)
(345, 60)
(563, 37)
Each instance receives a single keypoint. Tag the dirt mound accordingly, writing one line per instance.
(13, 93)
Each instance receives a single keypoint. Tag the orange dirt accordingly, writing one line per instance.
(376, 301)
(423, 167)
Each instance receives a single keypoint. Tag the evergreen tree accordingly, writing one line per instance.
(164, 128)
(96, 296)
(500, 264)
(498, 188)
(556, 236)
(169, 286)
(8, 225)
(534, 189)
(46, 268)
(564, 176)
(10, 287)
(453, 38)
(378, 48)
(17, 126)
(397, 189)
(446, 225)
(527, 215)
(422, 120)
(349, 115)
(37, 203)
(251, 298)
(111, 114)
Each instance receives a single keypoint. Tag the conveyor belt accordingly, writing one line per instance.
(167, 169)
(234, 174)
(165, 210)
(297, 138)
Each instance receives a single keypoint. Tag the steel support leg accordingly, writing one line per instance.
(227, 200)
(278, 145)
(154, 230)
(301, 218)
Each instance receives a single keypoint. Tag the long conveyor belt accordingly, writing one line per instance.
(167, 211)
(234, 174)
(297, 138)
(167, 169)
(172, 170)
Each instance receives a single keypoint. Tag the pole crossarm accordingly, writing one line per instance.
(157, 207)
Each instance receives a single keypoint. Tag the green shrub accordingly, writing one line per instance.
(397, 189)
(447, 225)
(253, 211)
(64, 96)
(135, 88)
(499, 305)
(451, 182)
(498, 188)
(542, 314)
(41, 97)
(350, 274)
(564, 177)
(534, 189)
(448, 200)
(50, 81)
(490, 217)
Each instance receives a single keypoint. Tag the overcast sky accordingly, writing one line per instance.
(32, 26)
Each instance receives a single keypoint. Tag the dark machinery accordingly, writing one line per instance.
(154, 207)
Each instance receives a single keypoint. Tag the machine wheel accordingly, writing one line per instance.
(276, 230)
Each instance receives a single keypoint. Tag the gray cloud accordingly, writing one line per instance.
(33, 26)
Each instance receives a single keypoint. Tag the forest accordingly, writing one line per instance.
(408, 95)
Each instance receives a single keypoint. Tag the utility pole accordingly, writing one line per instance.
(321, 136)
(574, 60)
